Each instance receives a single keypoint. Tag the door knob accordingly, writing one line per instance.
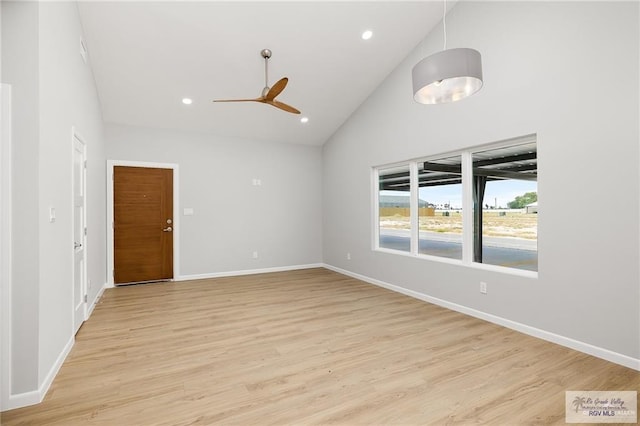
(167, 229)
(76, 245)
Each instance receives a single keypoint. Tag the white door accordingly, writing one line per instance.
(79, 237)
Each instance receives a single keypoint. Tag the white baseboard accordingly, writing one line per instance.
(95, 301)
(22, 400)
(568, 342)
(46, 384)
(248, 272)
(35, 397)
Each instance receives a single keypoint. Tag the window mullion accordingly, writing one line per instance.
(375, 209)
(413, 210)
(467, 207)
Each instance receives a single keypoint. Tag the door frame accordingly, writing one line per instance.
(176, 218)
(84, 290)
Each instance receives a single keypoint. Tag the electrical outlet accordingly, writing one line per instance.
(348, 256)
(483, 287)
(255, 254)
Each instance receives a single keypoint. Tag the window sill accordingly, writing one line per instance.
(481, 266)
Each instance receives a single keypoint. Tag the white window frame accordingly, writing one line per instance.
(467, 207)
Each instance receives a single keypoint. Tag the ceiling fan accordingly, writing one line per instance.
(268, 93)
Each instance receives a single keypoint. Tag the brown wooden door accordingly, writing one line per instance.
(143, 224)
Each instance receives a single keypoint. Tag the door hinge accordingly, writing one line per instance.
(85, 164)
(85, 230)
(85, 298)
(113, 273)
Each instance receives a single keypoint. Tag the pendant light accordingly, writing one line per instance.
(447, 76)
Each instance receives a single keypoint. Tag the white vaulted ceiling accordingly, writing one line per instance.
(147, 56)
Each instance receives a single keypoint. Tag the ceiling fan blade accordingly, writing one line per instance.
(283, 106)
(276, 89)
(268, 94)
(239, 100)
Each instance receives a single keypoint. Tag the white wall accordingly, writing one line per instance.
(68, 98)
(566, 71)
(20, 64)
(52, 91)
(281, 219)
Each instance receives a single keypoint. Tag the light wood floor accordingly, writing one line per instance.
(305, 347)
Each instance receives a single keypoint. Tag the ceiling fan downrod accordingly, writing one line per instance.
(266, 54)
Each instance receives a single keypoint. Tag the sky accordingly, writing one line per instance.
(502, 190)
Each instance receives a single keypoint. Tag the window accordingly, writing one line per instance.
(440, 212)
(394, 207)
(476, 206)
(505, 193)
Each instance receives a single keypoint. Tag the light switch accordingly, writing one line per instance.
(188, 211)
(52, 214)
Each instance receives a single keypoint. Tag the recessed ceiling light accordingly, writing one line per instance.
(187, 101)
(367, 35)
(304, 120)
